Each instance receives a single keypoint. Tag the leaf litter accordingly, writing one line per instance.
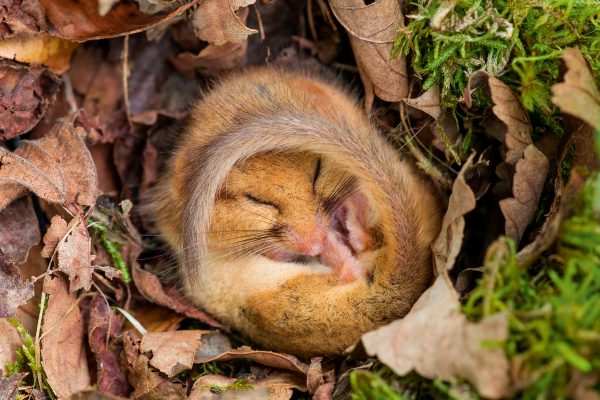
(130, 100)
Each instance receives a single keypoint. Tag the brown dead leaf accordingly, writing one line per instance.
(213, 58)
(57, 230)
(528, 182)
(91, 394)
(578, 94)
(174, 352)
(74, 257)
(151, 288)
(269, 358)
(13, 292)
(19, 230)
(147, 383)
(449, 241)
(9, 386)
(57, 168)
(21, 18)
(103, 326)
(320, 381)
(219, 23)
(276, 386)
(372, 29)
(428, 102)
(63, 348)
(54, 53)
(81, 21)
(25, 92)
(452, 348)
(10, 341)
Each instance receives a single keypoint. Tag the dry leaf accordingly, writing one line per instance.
(63, 348)
(148, 384)
(26, 92)
(449, 241)
(10, 341)
(452, 348)
(276, 386)
(13, 292)
(21, 18)
(269, 358)
(57, 230)
(74, 256)
(151, 288)
(578, 94)
(528, 182)
(57, 168)
(219, 23)
(428, 102)
(91, 394)
(372, 29)
(53, 52)
(103, 325)
(81, 21)
(174, 352)
(19, 230)
(212, 57)
(9, 386)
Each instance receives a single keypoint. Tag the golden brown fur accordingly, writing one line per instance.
(297, 308)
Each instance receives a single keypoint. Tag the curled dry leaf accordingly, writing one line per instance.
(452, 348)
(63, 348)
(57, 168)
(147, 383)
(372, 29)
(57, 230)
(175, 352)
(269, 358)
(74, 257)
(528, 182)
(10, 341)
(19, 230)
(104, 325)
(219, 23)
(54, 53)
(21, 18)
(81, 21)
(25, 92)
(212, 57)
(9, 386)
(13, 292)
(276, 386)
(151, 288)
(449, 241)
(578, 94)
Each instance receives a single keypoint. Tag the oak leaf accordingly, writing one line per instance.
(219, 22)
(452, 348)
(57, 230)
(74, 257)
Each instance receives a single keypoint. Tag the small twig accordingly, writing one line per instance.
(261, 28)
(125, 74)
(311, 21)
(70, 94)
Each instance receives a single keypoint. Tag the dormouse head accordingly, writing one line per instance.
(277, 204)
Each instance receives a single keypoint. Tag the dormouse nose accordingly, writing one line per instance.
(310, 241)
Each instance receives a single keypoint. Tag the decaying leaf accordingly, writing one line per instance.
(9, 386)
(276, 386)
(13, 292)
(151, 288)
(452, 347)
(63, 348)
(148, 384)
(372, 29)
(578, 94)
(57, 230)
(21, 18)
(81, 21)
(25, 92)
(174, 352)
(74, 257)
(449, 241)
(269, 358)
(57, 168)
(19, 230)
(10, 341)
(212, 57)
(528, 182)
(219, 23)
(53, 52)
(103, 326)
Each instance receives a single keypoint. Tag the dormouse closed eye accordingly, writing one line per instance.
(256, 200)
(316, 175)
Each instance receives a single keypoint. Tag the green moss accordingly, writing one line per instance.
(112, 249)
